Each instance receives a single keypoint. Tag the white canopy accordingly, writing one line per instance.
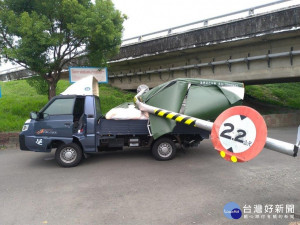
(85, 86)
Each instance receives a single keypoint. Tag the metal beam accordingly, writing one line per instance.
(212, 63)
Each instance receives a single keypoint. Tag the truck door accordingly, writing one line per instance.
(58, 118)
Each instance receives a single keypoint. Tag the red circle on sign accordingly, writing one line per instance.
(260, 139)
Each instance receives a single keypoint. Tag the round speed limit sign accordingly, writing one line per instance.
(239, 134)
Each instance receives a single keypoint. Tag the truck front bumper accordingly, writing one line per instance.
(34, 143)
(22, 143)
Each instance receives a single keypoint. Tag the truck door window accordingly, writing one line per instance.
(78, 108)
(61, 107)
(98, 108)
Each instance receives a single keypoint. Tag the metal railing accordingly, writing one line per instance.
(204, 22)
(212, 64)
(13, 69)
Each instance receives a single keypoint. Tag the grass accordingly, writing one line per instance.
(283, 94)
(19, 99)
(111, 97)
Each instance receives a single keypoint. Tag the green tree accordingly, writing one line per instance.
(45, 35)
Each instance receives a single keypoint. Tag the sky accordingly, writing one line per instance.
(146, 16)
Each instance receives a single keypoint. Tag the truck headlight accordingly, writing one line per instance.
(25, 127)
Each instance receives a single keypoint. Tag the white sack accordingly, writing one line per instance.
(129, 113)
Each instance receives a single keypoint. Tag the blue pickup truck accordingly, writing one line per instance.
(75, 127)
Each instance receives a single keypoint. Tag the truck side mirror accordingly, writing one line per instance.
(43, 115)
(33, 115)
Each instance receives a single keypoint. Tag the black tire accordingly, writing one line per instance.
(68, 155)
(164, 149)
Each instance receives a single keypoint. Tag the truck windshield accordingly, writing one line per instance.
(61, 107)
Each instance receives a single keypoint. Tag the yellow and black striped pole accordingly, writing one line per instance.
(175, 116)
(188, 120)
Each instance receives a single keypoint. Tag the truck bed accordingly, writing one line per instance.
(139, 127)
(122, 127)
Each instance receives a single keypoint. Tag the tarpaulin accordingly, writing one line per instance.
(205, 99)
(169, 98)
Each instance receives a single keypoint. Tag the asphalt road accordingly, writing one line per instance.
(130, 187)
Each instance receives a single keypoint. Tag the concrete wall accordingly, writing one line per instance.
(260, 35)
(282, 120)
(10, 140)
(248, 27)
(17, 75)
(259, 71)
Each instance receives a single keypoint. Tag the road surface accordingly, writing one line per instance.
(132, 188)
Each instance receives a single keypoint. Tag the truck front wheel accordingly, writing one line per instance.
(164, 149)
(68, 155)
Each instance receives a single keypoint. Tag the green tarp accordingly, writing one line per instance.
(205, 99)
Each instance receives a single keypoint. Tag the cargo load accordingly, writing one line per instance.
(200, 98)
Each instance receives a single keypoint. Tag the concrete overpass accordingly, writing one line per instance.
(257, 49)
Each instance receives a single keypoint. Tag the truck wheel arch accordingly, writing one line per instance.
(169, 136)
(55, 144)
(76, 141)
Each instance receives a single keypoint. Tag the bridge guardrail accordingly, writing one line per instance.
(212, 64)
(204, 22)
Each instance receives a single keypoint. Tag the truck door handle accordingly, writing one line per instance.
(67, 124)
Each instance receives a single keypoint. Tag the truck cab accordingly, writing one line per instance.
(59, 123)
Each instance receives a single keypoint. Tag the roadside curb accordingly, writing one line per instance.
(9, 140)
(282, 120)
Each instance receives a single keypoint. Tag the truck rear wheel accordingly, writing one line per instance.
(164, 149)
(68, 155)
